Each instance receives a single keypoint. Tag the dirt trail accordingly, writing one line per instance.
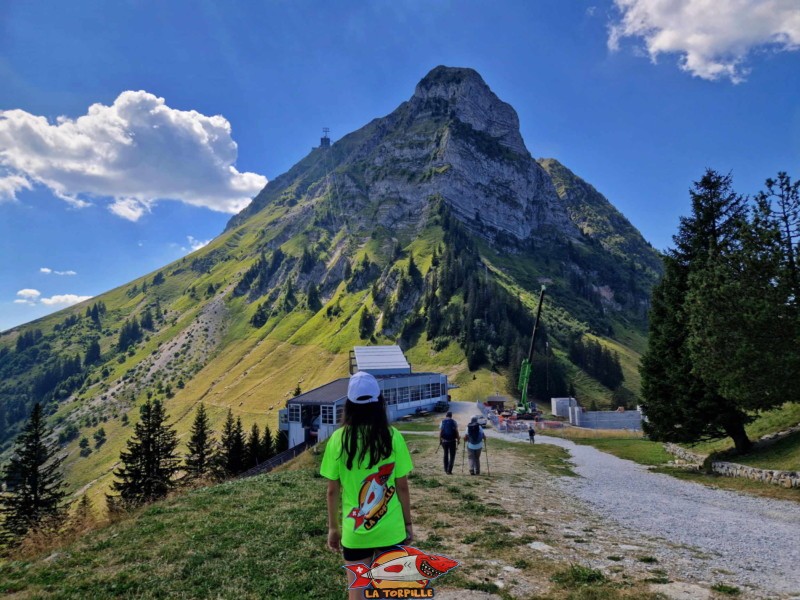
(627, 522)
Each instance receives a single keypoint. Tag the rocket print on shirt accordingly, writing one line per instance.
(373, 498)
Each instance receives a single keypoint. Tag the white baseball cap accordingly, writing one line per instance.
(363, 388)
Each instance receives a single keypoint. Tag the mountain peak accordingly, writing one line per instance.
(469, 99)
(443, 78)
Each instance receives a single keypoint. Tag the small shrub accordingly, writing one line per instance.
(577, 576)
(650, 560)
(724, 588)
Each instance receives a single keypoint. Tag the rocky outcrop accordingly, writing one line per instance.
(470, 100)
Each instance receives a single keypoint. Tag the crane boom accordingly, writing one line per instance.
(525, 370)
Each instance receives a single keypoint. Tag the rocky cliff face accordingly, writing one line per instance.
(454, 138)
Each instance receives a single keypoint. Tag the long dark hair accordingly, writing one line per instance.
(366, 430)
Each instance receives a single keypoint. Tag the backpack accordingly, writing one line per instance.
(449, 430)
(474, 433)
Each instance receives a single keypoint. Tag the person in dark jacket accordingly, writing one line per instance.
(448, 438)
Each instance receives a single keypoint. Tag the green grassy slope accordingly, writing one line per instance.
(264, 537)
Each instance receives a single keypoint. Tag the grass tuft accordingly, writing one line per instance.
(578, 576)
(724, 588)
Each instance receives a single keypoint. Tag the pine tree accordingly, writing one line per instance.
(783, 204)
(681, 404)
(232, 447)
(33, 480)
(743, 314)
(252, 452)
(366, 324)
(92, 353)
(200, 458)
(267, 447)
(281, 442)
(147, 319)
(413, 270)
(313, 301)
(150, 461)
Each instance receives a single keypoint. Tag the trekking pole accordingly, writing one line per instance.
(486, 446)
(463, 452)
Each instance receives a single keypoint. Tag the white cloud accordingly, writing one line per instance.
(27, 296)
(196, 244)
(33, 297)
(11, 184)
(64, 299)
(48, 271)
(712, 37)
(136, 151)
(129, 208)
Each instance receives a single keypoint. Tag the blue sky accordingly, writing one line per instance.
(623, 92)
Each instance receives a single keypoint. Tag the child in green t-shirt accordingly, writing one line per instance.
(367, 463)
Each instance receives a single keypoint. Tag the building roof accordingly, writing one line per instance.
(325, 394)
(381, 360)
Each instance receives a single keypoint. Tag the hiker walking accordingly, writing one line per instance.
(474, 439)
(448, 439)
(366, 463)
(531, 432)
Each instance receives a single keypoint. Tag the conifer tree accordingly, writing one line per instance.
(366, 324)
(281, 442)
(742, 308)
(33, 480)
(150, 461)
(682, 405)
(313, 301)
(252, 453)
(199, 459)
(267, 448)
(413, 270)
(92, 353)
(232, 447)
(147, 319)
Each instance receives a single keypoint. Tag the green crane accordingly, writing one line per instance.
(525, 370)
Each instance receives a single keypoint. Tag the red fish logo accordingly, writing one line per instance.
(405, 565)
(373, 498)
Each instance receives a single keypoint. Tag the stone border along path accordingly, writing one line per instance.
(754, 542)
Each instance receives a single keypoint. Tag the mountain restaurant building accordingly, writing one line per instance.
(315, 415)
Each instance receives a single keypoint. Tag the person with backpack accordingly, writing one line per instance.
(448, 439)
(366, 463)
(531, 432)
(474, 438)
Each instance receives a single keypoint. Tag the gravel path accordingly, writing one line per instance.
(755, 540)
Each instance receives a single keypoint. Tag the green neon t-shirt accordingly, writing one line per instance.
(372, 516)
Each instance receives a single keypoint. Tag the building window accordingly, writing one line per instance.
(327, 414)
(415, 393)
(339, 414)
(294, 413)
(391, 396)
(443, 389)
(402, 395)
